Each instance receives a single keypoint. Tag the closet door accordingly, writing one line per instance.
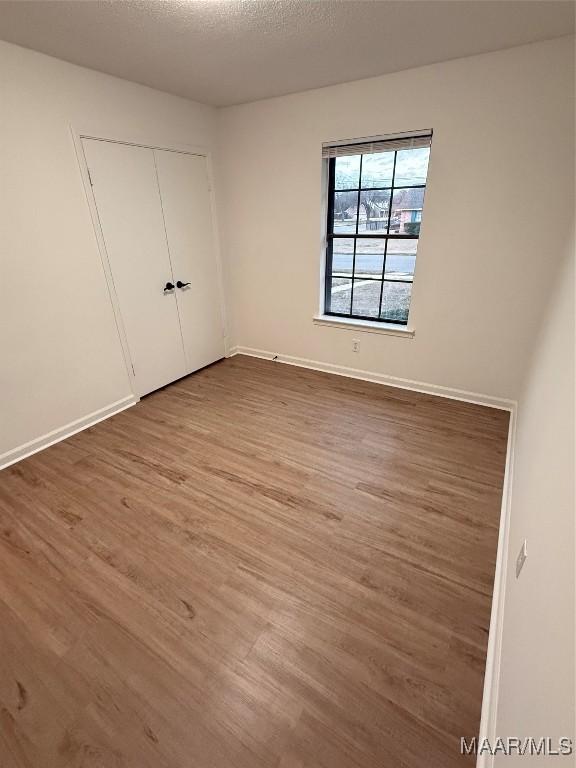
(125, 188)
(186, 203)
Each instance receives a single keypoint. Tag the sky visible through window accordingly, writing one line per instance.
(380, 197)
(411, 168)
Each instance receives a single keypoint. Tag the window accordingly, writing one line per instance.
(375, 200)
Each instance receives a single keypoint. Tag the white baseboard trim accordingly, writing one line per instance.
(379, 378)
(56, 435)
(488, 719)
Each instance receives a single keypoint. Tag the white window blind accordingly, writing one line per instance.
(380, 144)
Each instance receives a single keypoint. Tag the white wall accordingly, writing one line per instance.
(60, 357)
(494, 217)
(537, 664)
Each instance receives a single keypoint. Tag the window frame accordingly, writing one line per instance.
(386, 237)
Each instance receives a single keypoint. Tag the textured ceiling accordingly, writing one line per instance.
(225, 52)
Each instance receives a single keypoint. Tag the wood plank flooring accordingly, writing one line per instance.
(259, 566)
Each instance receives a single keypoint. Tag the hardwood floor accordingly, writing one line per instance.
(259, 566)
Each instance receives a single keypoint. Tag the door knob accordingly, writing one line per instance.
(180, 284)
(168, 287)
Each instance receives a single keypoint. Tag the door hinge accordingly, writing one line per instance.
(90, 177)
(133, 371)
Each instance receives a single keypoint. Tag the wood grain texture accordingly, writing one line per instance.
(259, 566)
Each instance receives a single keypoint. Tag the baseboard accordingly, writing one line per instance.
(39, 443)
(489, 714)
(379, 378)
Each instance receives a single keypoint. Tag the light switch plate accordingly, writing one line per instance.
(521, 559)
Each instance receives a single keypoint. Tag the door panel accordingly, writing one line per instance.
(130, 212)
(186, 203)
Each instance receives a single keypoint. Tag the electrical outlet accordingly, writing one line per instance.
(521, 559)
(355, 345)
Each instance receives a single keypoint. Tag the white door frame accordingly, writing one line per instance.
(187, 149)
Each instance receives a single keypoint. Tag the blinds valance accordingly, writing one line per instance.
(381, 144)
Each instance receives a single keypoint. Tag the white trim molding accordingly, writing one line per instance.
(57, 435)
(488, 719)
(379, 378)
(149, 142)
(364, 325)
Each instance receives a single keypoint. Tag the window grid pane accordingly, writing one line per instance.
(378, 283)
(395, 301)
(366, 298)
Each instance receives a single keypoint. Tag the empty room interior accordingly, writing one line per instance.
(287, 383)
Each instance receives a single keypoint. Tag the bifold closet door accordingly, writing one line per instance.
(127, 197)
(186, 203)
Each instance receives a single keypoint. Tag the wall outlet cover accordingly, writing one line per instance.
(521, 559)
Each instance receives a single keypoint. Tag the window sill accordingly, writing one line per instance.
(390, 329)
